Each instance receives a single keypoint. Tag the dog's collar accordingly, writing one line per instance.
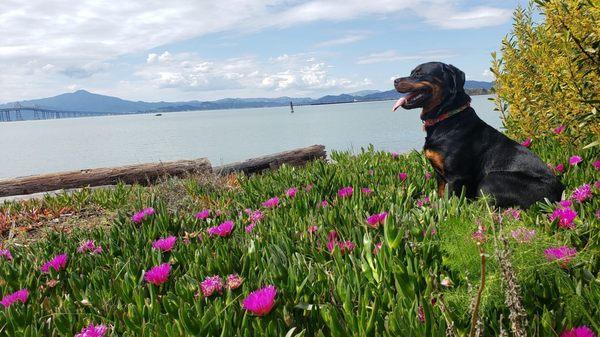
(429, 122)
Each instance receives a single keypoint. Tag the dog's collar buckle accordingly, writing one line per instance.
(429, 122)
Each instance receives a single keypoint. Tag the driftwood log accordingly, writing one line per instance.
(296, 157)
(148, 173)
(141, 174)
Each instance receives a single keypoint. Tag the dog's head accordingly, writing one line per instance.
(433, 86)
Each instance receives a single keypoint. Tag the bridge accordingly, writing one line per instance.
(18, 112)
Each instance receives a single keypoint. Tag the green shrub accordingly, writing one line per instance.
(548, 73)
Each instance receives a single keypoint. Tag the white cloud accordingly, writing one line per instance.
(394, 56)
(487, 74)
(284, 73)
(346, 39)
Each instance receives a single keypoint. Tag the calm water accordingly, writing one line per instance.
(224, 136)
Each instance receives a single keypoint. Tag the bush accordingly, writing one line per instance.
(548, 73)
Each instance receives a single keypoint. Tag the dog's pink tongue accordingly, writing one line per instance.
(399, 103)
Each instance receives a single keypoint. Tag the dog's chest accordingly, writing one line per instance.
(436, 159)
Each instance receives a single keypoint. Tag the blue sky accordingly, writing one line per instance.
(183, 50)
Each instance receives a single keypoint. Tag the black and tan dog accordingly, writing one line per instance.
(467, 153)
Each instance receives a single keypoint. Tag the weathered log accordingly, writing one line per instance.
(297, 157)
(141, 174)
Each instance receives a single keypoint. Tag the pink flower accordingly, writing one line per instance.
(582, 193)
(271, 203)
(366, 190)
(324, 204)
(346, 246)
(421, 314)
(141, 215)
(291, 192)
(159, 274)
(562, 254)
(526, 142)
(597, 164)
(261, 301)
(560, 168)
(402, 176)
(234, 281)
(523, 235)
(250, 227)
(427, 175)
(515, 213)
(423, 202)
(598, 214)
(582, 331)
(93, 331)
(574, 160)
(255, 216)
(345, 192)
(164, 244)
(89, 246)
(565, 203)
(211, 284)
(377, 248)
(57, 263)
(559, 129)
(566, 216)
(376, 219)
(308, 187)
(6, 254)
(312, 229)
(203, 214)
(395, 155)
(223, 229)
(17, 296)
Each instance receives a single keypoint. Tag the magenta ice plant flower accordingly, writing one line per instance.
(427, 175)
(345, 192)
(159, 274)
(17, 296)
(402, 176)
(57, 263)
(559, 129)
(89, 246)
(377, 248)
(6, 254)
(597, 164)
(256, 216)
(261, 301)
(394, 155)
(582, 193)
(141, 215)
(565, 215)
(211, 284)
(560, 168)
(574, 160)
(93, 331)
(376, 219)
(291, 192)
(164, 244)
(203, 214)
(366, 190)
(582, 331)
(250, 227)
(523, 235)
(234, 281)
(562, 254)
(324, 204)
(526, 142)
(223, 230)
(313, 228)
(271, 203)
(423, 202)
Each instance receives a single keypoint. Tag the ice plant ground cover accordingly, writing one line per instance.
(411, 275)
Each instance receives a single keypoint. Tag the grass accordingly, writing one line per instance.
(422, 282)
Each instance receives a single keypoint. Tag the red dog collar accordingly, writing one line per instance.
(429, 122)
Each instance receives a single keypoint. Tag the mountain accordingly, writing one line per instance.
(84, 101)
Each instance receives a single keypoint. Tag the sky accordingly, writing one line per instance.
(178, 50)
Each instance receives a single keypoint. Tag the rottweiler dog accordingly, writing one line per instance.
(465, 152)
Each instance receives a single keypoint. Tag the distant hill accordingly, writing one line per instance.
(82, 100)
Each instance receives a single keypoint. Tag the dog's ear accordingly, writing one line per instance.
(457, 78)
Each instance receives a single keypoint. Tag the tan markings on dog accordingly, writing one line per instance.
(437, 161)
(436, 97)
